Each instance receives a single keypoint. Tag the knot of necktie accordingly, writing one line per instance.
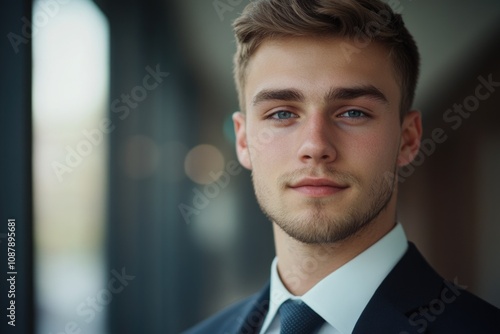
(298, 318)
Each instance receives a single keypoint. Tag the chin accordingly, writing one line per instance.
(314, 228)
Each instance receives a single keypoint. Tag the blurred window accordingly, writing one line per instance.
(70, 99)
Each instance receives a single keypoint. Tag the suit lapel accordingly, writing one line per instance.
(410, 285)
(253, 314)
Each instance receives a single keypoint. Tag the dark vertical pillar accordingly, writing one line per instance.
(146, 236)
(15, 168)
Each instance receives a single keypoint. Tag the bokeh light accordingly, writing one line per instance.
(204, 163)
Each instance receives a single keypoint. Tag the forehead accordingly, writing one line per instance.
(315, 65)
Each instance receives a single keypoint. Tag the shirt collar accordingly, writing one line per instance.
(341, 297)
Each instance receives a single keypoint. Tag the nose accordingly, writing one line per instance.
(317, 144)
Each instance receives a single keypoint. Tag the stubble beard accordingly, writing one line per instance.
(318, 226)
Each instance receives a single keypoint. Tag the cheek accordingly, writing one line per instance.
(375, 153)
(265, 151)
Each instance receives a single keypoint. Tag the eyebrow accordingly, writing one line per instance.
(341, 93)
(278, 94)
(351, 93)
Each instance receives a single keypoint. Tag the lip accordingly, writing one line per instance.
(317, 187)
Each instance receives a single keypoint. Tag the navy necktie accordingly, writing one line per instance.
(298, 318)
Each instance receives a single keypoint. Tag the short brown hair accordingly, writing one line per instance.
(353, 19)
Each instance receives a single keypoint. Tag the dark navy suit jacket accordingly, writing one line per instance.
(413, 298)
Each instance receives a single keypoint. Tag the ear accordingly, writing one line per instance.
(239, 120)
(411, 134)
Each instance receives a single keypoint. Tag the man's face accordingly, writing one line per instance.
(322, 135)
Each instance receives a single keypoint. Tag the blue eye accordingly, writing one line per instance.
(353, 113)
(282, 114)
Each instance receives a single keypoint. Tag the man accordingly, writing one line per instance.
(325, 90)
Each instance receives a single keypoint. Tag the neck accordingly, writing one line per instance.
(301, 266)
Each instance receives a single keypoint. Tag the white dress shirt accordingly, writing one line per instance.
(341, 297)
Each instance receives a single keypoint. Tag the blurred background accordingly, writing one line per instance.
(118, 163)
